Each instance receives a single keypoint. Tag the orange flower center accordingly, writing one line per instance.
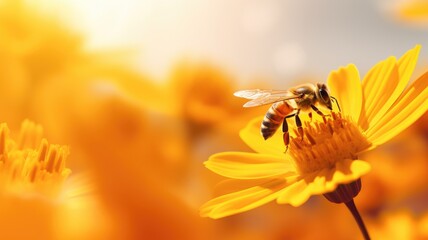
(31, 165)
(326, 142)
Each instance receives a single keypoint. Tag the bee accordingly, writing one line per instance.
(286, 104)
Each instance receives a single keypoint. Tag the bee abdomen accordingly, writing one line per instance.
(268, 132)
(273, 118)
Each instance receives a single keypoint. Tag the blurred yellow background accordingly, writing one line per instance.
(142, 93)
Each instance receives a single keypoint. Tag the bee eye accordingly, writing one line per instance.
(324, 95)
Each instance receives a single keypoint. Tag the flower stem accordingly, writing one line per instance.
(351, 206)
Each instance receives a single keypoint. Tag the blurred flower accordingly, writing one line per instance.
(203, 95)
(403, 158)
(34, 193)
(399, 225)
(373, 112)
(127, 148)
(41, 56)
(113, 118)
(412, 11)
(34, 48)
(31, 165)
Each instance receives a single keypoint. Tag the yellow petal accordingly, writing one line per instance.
(240, 165)
(252, 137)
(295, 194)
(299, 192)
(244, 200)
(323, 181)
(407, 63)
(392, 86)
(345, 85)
(378, 85)
(349, 170)
(344, 172)
(405, 111)
(231, 185)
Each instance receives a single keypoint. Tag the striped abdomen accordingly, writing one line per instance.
(274, 118)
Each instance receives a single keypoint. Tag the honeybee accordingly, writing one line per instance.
(286, 104)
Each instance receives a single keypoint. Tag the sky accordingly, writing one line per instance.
(280, 41)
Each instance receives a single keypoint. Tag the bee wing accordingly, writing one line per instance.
(262, 97)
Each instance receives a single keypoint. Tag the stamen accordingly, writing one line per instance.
(327, 142)
(310, 138)
(43, 149)
(33, 173)
(25, 167)
(3, 135)
(52, 158)
(30, 135)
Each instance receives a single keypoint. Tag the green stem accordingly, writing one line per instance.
(351, 206)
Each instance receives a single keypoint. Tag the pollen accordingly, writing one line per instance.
(31, 165)
(326, 142)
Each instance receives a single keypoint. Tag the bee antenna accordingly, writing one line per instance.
(337, 103)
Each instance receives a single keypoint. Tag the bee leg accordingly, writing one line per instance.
(299, 126)
(318, 111)
(285, 135)
(337, 103)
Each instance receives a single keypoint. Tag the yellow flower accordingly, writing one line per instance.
(37, 198)
(31, 165)
(35, 47)
(412, 11)
(32, 173)
(326, 160)
(113, 118)
(126, 151)
(202, 93)
(401, 224)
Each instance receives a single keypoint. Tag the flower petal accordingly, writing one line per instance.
(407, 63)
(244, 200)
(240, 165)
(295, 194)
(231, 185)
(378, 85)
(384, 87)
(349, 170)
(323, 181)
(252, 137)
(345, 85)
(405, 111)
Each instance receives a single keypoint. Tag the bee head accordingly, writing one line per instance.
(323, 96)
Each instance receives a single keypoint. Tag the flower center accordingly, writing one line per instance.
(326, 142)
(31, 165)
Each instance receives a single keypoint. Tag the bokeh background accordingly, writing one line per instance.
(141, 91)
